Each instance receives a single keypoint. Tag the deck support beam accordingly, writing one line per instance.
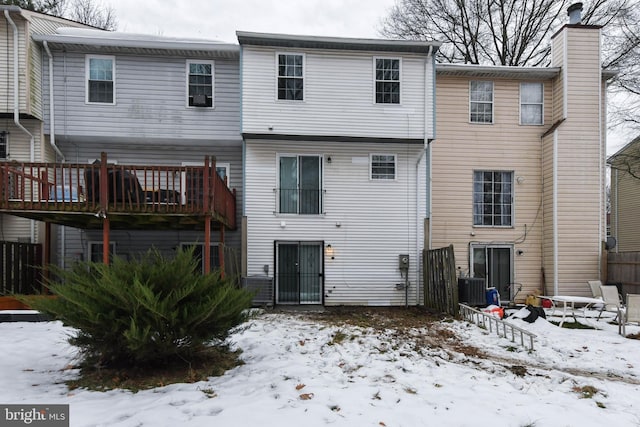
(104, 200)
(221, 250)
(47, 252)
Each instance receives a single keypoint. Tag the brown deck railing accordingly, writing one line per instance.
(102, 188)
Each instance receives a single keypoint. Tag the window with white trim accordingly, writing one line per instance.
(383, 166)
(387, 74)
(493, 198)
(290, 76)
(100, 73)
(200, 83)
(4, 144)
(531, 103)
(481, 102)
(300, 184)
(96, 251)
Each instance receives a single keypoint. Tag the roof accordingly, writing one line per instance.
(628, 147)
(82, 39)
(484, 71)
(336, 43)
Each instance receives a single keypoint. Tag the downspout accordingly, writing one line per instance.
(52, 141)
(427, 96)
(52, 120)
(555, 212)
(16, 105)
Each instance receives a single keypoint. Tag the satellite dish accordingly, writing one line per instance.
(610, 243)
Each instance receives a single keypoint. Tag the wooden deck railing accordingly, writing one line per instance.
(101, 188)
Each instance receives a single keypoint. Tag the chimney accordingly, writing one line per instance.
(575, 14)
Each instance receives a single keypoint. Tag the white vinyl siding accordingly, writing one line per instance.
(100, 79)
(339, 89)
(531, 103)
(200, 83)
(481, 102)
(367, 225)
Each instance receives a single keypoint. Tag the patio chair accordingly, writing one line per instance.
(612, 301)
(595, 288)
(631, 312)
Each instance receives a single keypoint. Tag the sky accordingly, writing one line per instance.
(220, 19)
(297, 373)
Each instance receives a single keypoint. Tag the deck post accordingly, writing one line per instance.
(104, 201)
(207, 216)
(221, 250)
(47, 252)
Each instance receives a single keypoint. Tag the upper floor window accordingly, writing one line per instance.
(200, 83)
(383, 166)
(493, 198)
(531, 103)
(4, 144)
(387, 81)
(481, 102)
(291, 76)
(100, 79)
(300, 184)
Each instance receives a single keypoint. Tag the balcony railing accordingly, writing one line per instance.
(102, 188)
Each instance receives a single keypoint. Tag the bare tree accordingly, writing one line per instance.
(517, 32)
(628, 159)
(91, 12)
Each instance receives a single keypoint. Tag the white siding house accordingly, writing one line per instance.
(335, 135)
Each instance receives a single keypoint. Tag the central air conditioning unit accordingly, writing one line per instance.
(472, 291)
(263, 288)
(199, 100)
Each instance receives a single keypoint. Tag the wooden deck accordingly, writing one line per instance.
(129, 196)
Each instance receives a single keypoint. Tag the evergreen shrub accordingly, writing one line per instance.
(149, 310)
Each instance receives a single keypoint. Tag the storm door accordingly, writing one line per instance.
(299, 272)
(494, 263)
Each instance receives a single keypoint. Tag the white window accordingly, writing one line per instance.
(290, 76)
(200, 83)
(531, 103)
(383, 166)
(198, 254)
(100, 72)
(387, 74)
(95, 251)
(481, 102)
(493, 198)
(4, 144)
(300, 184)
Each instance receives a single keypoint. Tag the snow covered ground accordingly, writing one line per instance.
(300, 371)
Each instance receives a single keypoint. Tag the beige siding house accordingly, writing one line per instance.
(625, 197)
(518, 169)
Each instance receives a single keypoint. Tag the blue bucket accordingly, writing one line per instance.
(493, 297)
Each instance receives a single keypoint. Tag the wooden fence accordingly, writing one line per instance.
(624, 267)
(440, 283)
(20, 268)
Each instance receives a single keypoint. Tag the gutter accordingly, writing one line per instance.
(52, 122)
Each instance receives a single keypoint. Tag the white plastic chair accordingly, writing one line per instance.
(595, 288)
(631, 312)
(612, 301)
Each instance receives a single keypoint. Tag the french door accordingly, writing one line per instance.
(494, 263)
(299, 272)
